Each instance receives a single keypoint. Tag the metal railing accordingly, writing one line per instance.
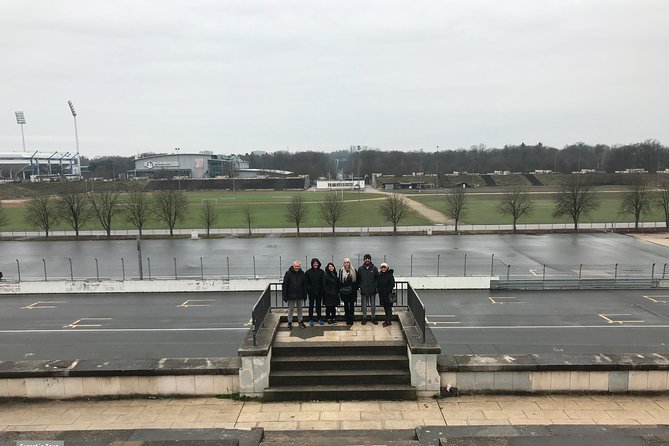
(406, 265)
(271, 297)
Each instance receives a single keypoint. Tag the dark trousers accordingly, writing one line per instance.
(330, 312)
(349, 310)
(387, 306)
(317, 301)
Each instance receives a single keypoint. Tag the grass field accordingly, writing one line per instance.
(269, 209)
(482, 209)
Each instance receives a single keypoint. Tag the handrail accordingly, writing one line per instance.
(406, 297)
(260, 310)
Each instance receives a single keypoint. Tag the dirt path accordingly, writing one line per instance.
(658, 239)
(429, 213)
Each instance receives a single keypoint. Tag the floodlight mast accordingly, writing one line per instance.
(21, 120)
(76, 136)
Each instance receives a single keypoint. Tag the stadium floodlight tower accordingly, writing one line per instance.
(21, 120)
(76, 137)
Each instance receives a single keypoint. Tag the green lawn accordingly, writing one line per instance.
(482, 209)
(268, 208)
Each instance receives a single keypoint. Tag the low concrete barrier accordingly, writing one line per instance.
(205, 285)
(555, 373)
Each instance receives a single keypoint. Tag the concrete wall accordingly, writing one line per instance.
(207, 285)
(77, 387)
(558, 381)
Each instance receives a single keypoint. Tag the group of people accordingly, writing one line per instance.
(330, 288)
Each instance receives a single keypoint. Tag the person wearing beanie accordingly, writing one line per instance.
(314, 276)
(386, 284)
(367, 282)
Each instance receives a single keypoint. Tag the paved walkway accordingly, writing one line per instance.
(228, 414)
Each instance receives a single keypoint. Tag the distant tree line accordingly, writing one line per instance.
(649, 155)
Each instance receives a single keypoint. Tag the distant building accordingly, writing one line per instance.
(189, 165)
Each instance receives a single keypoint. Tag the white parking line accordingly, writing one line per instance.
(121, 330)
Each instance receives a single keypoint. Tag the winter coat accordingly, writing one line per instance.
(314, 278)
(386, 284)
(343, 284)
(331, 289)
(294, 285)
(367, 279)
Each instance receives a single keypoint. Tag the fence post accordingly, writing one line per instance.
(465, 265)
(580, 269)
(438, 256)
(44, 263)
(97, 269)
(175, 268)
(201, 269)
(227, 261)
(615, 274)
(123, 268)
(544, 274)
(18, 268)
(508, 271)
(411, 271)
(652, 272)
(664, 270)
(280, 268)
(254, 267)
(148, 263)
(71, 274)
(492, 264)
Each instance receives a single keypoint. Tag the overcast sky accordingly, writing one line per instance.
(237, 76)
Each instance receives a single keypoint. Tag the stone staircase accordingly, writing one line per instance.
(339, 371)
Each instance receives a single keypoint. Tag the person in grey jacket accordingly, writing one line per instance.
(368, 276)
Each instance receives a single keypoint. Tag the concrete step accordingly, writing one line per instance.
(339, 392)
(388, 437)
(338, 349)
(316, 377)
(345, 362)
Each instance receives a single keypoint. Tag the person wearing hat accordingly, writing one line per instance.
(367, 282)
(386, 283)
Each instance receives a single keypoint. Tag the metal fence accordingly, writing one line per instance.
(406, 297)
(271, 267)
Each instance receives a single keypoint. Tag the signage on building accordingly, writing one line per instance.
(152, 164)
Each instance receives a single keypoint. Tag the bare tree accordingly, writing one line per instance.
(42, 211)
(394, 209)
(4, 218)
(662, 203)
(247, 213)
(296, 211)
(456, 204)
(74, 208)
(171, 207)
(208, 215)
(636, 201)
(575, 199)
(515, 203)
(106, 204)
(138, 208)
(332, 209)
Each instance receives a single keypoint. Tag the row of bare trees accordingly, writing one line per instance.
(76, 209)
(394, 209)
(574, 199)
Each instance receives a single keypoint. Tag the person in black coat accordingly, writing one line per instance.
(314, 276)
(386, 284)
(294, 290)
(331, 293)
(348, 291)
